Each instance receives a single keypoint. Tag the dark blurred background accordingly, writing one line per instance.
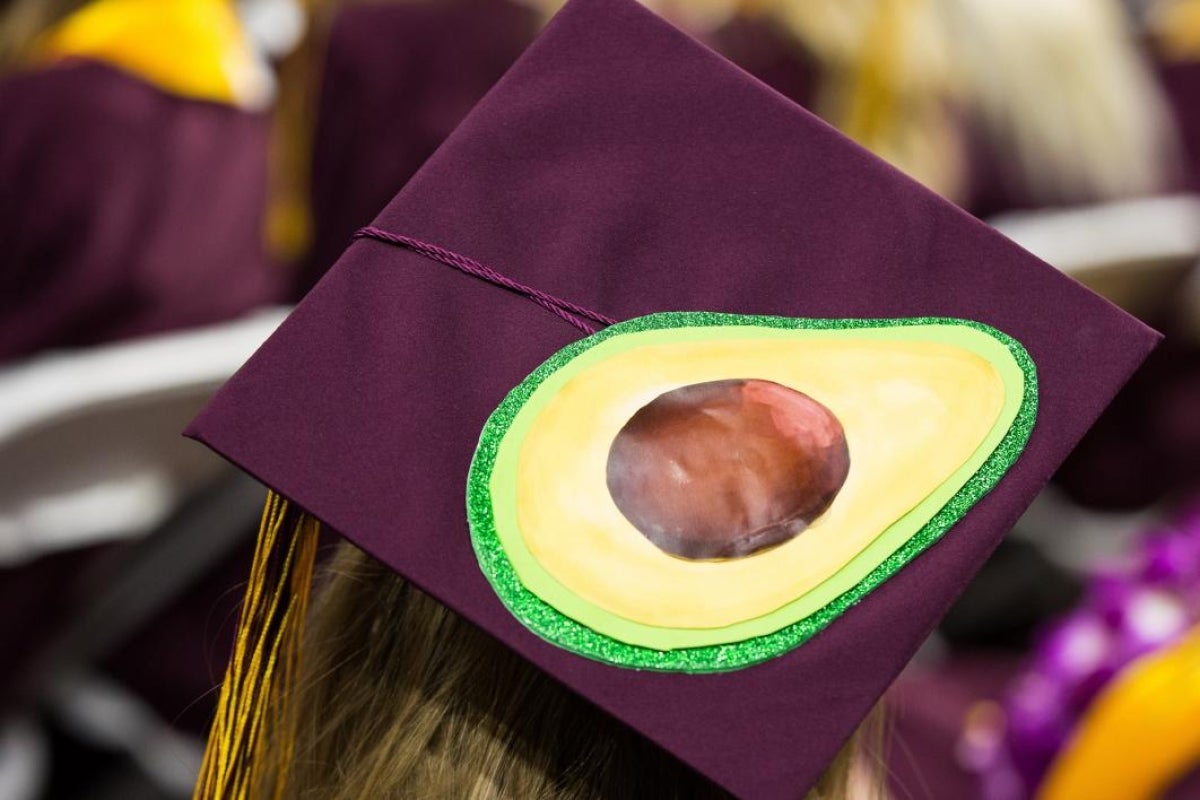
(174, 174)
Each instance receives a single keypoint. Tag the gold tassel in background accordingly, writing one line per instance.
(255, 696)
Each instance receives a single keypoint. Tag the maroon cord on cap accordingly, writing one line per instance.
(575, 315)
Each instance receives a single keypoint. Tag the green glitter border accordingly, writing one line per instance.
(558, 629)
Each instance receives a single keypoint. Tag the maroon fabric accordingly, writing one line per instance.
(926, 710)
(768, 52)
(1181, 82)
(172, 663)
(37, 600)
(175, 661)
(1186, 788)
(621, 166)
(1145, 448)
(575, 315)
(398, 78)
(123, 210)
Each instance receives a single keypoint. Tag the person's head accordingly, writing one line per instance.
(400, 697)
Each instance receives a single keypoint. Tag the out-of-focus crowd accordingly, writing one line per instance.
(175, 174)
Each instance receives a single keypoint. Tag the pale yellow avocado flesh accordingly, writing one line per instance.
(914, 411)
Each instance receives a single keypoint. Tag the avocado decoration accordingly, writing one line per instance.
(724, 469)
(699, 492)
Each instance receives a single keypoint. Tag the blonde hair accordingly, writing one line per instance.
(1060, 92)
(888, 80)
(400, 697)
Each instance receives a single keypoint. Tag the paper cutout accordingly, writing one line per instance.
(728, 468)
(788, 615)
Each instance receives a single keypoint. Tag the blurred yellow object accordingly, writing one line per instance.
(1175, 24)
(1141, 733)
(897, 100)
(887, 80)
(874, 105)
(288, 230)
(192, 48)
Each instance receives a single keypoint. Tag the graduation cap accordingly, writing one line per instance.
(696, 405)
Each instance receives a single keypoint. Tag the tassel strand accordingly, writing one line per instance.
(254, 704)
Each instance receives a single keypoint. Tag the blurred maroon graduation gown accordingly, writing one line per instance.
(124, 210)
(398, 78)
(1181, 83)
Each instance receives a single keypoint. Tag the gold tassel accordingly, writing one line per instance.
(255, 701)
(874, 102)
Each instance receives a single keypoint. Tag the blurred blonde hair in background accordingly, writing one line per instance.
(1059, 91)
(1064, 92)
(888, 80)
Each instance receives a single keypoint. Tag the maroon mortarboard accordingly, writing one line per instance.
(696, 405)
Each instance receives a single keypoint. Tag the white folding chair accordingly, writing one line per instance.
(1140, 254)
(90, 451)
(89, 440)
(1134, 252)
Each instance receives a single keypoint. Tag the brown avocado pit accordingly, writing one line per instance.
(724, 469)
